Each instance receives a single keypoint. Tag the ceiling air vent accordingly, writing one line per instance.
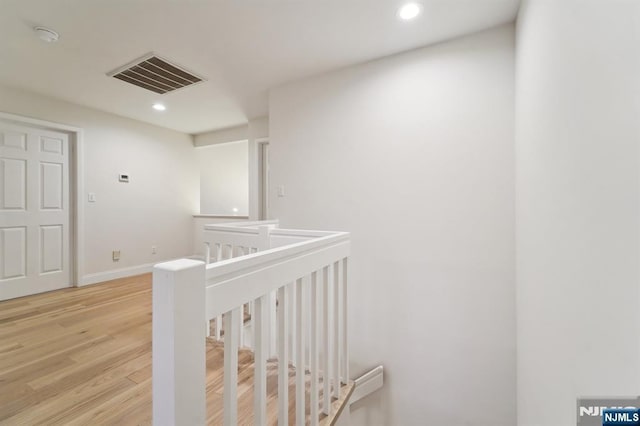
(156, 74)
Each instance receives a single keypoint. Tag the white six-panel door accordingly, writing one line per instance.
(34, 211)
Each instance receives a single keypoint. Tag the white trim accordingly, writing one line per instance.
(77, 165)
(367, 384)
(260, 194)
(207, 145)
(37, 122)
(131, 271)
(254, 179)
(114, 274)
(219, 216)
(247, 227)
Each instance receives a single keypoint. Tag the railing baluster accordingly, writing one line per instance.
(250, 340)
(241, 327)
(321, 354)
(345, 337)
(336, 330)
(313, 350)
(291, 308)
(237, 251)
(218, 253)
(207, 260)
(283, 362)
(231, 342)
(300, 352)
(260, 362)
(272, 319)
(246, 341)
(218, 328)
(326, 343)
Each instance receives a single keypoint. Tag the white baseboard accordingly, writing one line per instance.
(367, 384)
(115, 274)
(131, 271)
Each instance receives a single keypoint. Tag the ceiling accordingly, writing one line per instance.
(241, 47)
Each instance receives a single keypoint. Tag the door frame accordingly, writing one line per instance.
(76, 188)
(263, 178)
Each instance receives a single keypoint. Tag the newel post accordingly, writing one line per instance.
(179, 343)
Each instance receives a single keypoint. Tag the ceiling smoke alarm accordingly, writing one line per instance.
(46, 34)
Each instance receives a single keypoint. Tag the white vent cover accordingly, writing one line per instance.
(156, 74)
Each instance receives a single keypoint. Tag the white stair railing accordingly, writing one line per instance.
(307, 270)
(236, 239)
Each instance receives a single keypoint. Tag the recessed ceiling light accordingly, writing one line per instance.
(409, 11)
(159, 107)
(46, 34)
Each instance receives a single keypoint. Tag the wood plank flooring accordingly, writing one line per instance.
(82, 356)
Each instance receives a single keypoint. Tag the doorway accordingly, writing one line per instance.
(36, 215)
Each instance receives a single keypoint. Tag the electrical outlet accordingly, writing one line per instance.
(154, 249)
(116, 255)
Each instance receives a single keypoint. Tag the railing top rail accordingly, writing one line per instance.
(245, 227)
(301, 233)
(225, 269)
(234, 282)
(254, 228)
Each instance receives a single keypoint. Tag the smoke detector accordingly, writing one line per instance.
(46, 34)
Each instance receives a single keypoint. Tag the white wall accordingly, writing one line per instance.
(155, 208)
(224, 178)
(414, 155)
(577, 136)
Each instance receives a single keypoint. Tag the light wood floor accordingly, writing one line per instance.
(83, 357)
